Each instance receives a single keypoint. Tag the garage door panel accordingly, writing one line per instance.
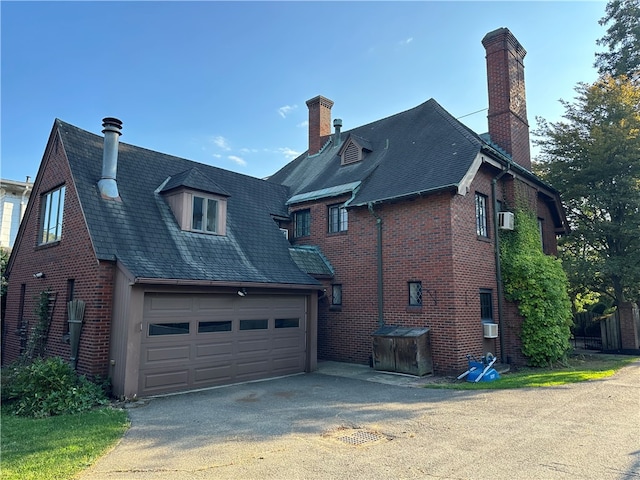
(221, 373)
(253, 346)
(167, 380)
(167, 353)
(288, 364)
(214, 350)
(254, 367)
(229, 339)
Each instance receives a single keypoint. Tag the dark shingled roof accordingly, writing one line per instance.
(310, 259)
(143, 234)
(420, 150)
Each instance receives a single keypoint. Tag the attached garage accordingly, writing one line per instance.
(200, 340)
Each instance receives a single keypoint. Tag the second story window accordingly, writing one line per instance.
(301, 223)
(204, 215)
(338, 221)
(482, 229)
(51, 222)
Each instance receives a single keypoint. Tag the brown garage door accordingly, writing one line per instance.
(197, 340)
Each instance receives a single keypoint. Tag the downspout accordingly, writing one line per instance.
(497, 257)
(379, 255)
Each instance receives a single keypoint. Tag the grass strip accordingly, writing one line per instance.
(576, 369)
(57, 448)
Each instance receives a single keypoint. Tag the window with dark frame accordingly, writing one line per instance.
(486, 305)
(51, 221)
(301, 223)
(338, 219)
(482, 229)
(336, 294)
(415, 294)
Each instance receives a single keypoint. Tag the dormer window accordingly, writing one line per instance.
(204, 215)
(197, 202)
(353, 150)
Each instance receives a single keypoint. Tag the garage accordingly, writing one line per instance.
(192, 341)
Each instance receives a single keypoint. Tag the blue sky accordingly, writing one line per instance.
(225, 83)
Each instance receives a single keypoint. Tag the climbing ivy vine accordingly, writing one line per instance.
(539, 286)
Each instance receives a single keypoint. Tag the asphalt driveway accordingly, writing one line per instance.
(343, 423)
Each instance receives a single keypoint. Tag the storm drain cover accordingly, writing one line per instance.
(359, 437)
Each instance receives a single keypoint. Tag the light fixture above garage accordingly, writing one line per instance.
(242, 292)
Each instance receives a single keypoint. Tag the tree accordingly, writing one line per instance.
(622, 39)
(593, 159)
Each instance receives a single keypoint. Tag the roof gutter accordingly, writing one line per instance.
(219, 283)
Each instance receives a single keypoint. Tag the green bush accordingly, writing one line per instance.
(539, 286)
(48, 387)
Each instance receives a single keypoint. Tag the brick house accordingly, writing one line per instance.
(188, 277)
(406, 209)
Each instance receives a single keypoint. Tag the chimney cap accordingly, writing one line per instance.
(337, 122)
(112, 124)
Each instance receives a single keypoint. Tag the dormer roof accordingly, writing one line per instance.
(194, 179)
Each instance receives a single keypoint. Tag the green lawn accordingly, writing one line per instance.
(578, 368)
(57, 447)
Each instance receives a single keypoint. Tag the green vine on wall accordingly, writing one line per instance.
(37, 343)
(539, 286)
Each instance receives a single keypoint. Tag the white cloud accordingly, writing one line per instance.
(221, 142)
(286, 110)
(216, 155)
(289, 153)
(237, 160)
(304, 124)
(248, 150)
(406, 41)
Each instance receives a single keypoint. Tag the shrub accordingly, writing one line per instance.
(538, 284)
(48, 387)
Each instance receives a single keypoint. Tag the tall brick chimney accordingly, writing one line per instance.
(319, 122)
(508, 125)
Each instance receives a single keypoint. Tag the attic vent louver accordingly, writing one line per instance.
(351, 154)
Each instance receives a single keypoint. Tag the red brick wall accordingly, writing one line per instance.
(72, 258)
(430, 239)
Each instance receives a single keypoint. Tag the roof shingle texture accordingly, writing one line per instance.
(142, 232)
(417, 151)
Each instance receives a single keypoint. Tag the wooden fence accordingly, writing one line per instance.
(592, 331)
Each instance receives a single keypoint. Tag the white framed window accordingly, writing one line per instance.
(204, 215)
(52, 214)
(338, 219)
(482, 229)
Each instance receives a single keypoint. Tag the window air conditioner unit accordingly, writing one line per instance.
(490, 330)
(505, 220)
(285, 232)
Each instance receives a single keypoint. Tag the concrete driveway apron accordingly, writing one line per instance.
(350, 422)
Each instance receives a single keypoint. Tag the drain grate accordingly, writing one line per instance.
(360, 437)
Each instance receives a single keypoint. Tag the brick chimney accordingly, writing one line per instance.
(319, 122)
(508, 125)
